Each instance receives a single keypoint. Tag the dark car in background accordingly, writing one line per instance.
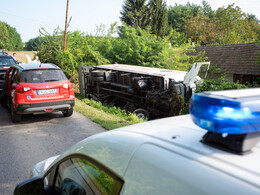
(5, 62)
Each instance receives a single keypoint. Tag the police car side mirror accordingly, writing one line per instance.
(31, 186)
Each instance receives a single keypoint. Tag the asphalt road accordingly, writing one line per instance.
(36, 138)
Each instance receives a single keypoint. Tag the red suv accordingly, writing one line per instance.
(37, 88)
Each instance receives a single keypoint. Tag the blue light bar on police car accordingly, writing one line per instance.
(231, 112)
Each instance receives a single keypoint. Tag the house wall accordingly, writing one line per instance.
(229, 78)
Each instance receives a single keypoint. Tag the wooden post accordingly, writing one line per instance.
(66, 23)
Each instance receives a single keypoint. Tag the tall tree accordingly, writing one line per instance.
(226, 25)
(15, 39)
(252, 18)
(159, 17)
(136, 13)
(202, 30)
(9, 38)
(229, 17)
(35, 43)
(207, 9)
(238, 29)
(4, 34)
(178, 14)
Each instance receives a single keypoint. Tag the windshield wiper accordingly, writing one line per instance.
(50, 80)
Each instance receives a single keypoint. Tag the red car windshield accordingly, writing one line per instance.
(42, 76)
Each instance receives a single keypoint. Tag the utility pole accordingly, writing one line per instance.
(66, 23)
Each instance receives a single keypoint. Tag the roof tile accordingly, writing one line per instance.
(234, 58)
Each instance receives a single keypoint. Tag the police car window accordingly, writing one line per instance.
(41, 76)
(80, 176)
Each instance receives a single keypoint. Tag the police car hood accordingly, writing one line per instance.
(182, 132)
(179, 134)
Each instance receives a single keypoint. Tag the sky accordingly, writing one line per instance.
(28, 16)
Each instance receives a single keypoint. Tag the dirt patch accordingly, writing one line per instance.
(21, 57)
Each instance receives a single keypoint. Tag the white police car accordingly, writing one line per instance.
(166, 156)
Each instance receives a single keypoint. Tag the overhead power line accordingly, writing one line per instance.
(29, 19)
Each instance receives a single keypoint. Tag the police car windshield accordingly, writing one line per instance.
(42, 76)
(6, 61)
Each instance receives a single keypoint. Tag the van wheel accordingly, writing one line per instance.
(130, 107)
(15, 117)
(68, 112)
(141, 113)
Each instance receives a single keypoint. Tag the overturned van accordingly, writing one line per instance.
(147, 92)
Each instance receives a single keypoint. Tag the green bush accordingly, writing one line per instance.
(78, 51)
(218, 84)
(133, 46)
(213, 85)
(139, 47)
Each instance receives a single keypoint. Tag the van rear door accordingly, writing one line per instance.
(190, 76)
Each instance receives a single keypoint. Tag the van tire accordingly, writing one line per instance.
(141, 113)
(16, 118)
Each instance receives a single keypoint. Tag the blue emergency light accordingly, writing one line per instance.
(232, 112)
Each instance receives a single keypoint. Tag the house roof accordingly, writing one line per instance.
(234, 58)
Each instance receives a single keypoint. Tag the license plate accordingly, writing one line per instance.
(46, 91)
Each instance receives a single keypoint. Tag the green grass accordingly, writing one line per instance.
(107, 117)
